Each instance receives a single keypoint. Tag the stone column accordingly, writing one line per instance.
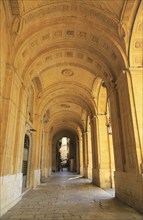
(10, 109)
(77, 156)
(112, 160)
(20, 132)
(117, 133)
(36, 149)
(126, 120)
(81, 153)
(90, 163)
(49, 161)
(54, 153)
(128, 180)
(95, 154)
(85, 154)
(5, 155)
(46, 154)
(135, 84)
(42, 157)
(104, 153)
(11, 178)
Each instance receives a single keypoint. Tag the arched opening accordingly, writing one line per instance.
(64, 157)
(65, 153)
(104, 176)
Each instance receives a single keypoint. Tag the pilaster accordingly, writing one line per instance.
(135, 86)
(129, 181)
(117, 133)
(10, 101)
(85, 154)
(104, 156)
(81, 153)
(95, 153)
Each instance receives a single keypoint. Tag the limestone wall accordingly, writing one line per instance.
(36, 180)
(10, 190)
(129, 189)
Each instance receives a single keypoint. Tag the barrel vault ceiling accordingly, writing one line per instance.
(66, 48)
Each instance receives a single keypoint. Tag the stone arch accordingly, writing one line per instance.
(136, 44)
(76, 98)
(111, 48)
(106, 173)
(73, 147)
(37, 83)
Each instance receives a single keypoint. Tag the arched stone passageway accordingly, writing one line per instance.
(72, 69)
(73, 151)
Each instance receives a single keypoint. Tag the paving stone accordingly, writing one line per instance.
(77, 199)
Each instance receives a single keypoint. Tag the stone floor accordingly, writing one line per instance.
(66, 196)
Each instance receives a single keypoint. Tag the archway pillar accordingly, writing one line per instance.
(48, 153)
(49, 161)
(95, 155)
(104, 152)
(77, 156)
(128, 179)
(90, 164)
(11, 178)
(10, 104)
(20, 131)
(54, 157)
(81, 154)
(36, 150)
(135, 85)
(117, 135)
(85, 154)
(44, 154)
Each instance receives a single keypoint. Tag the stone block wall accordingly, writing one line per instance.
(37, 174)
(129, 189)
(10, 190)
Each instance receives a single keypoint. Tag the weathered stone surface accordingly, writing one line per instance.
(76, 198)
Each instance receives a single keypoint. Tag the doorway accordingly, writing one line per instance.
(25, 162)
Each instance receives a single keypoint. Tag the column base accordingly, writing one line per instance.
(101, 178)
(11, 191)
(129, 189)
(81, 170)
(37, 177)
(85, 172)
(105, 178)
(89, 172)
(95, 177)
